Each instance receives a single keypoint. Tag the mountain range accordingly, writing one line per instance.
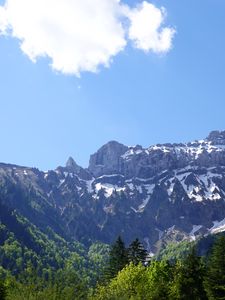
(166, 192)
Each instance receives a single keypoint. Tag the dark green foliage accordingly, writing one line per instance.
(188, 279)
(117, 259)
(43, 265)
(98, 254)
(65, 285)
(137, 253)
(37, 265)
(180, 280)
(215, 276)
(2, 291)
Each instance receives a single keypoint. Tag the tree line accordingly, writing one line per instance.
(190, 278)
(127, 274)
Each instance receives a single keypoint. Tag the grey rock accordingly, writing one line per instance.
(217, 137)
(107, 160)
(161, 192)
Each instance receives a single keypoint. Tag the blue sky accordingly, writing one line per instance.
(141, 98)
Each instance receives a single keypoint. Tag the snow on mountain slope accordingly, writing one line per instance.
(168, 191)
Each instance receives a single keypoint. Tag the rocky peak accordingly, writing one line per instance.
(107, 159)
(153, 193)
(73, 167)
(217, 137)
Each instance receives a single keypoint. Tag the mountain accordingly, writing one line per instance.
(166, 192)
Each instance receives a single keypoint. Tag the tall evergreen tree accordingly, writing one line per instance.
(117, 258)
(188, 279)
(215, 276)
(137, 253)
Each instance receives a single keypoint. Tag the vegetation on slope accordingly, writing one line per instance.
(43, 265)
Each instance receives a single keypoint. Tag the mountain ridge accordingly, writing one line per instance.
(164, 192)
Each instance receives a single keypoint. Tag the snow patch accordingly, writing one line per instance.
(135, 210)
(109, 176)
(193, 231)
(89, 186)
(61, 182)
(108, 188)
(143, 204)
(218, 226)
(149, 188)
(170, 190)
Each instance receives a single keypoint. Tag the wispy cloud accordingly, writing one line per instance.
(82, 35)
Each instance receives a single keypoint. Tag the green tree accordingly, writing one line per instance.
(98, 256)
(137, 253)
(159, 276)
(215, 276)
(128, 284)
(188, 279)
(117, 258)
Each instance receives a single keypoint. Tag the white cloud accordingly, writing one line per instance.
(146, 29)
(3, 21)
(82, 35)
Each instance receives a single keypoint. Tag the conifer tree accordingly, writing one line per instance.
(188, 279)
(215, 276)
(117, 258)
(137, 253)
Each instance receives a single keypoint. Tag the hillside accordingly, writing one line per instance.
(163, 193)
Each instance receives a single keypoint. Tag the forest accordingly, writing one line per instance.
(54, 269)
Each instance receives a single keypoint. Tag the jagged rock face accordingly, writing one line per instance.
(107, 160)
(114, 158)
(72, 167)
(168, 191)
(217, 137)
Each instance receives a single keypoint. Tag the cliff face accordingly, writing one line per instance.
(108, 159)
(161, 193)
